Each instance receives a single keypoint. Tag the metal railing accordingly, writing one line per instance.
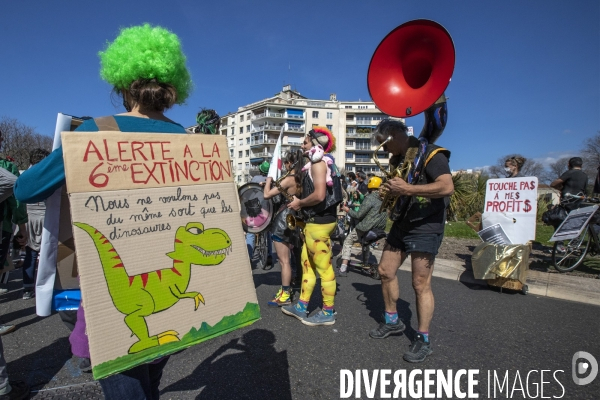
(359, 135)
(265, 127)
(262, 154)
(294, 116)
(262, 141)
(295, 128)
(268, 114)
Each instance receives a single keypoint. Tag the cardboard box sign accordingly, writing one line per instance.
(512, 203)
(159, 244)
(66, 260)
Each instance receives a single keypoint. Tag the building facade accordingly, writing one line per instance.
(253, 130)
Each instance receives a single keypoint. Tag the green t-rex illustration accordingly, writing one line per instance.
(138, 296)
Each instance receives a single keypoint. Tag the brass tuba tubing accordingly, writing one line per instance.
(293, 222)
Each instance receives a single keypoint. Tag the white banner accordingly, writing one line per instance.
(512, 203)
(276, 163)
(44, 284)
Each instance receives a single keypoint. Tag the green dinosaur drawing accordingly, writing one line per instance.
(138, 296)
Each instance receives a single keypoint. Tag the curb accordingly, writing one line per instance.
(558, 286)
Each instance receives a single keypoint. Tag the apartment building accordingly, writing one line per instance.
(253, 130)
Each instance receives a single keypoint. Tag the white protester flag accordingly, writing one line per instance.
(276, 163)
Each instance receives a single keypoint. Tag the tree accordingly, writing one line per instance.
(557, 168)
(530, 167)
(591, 159)
(591, 151)
(20, 140)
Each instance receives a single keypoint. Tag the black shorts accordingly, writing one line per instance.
(415, 242)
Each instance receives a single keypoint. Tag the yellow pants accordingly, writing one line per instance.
(316, 256)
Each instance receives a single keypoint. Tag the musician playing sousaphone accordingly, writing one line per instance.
(418, 233)
(285, 189)
(321, 193)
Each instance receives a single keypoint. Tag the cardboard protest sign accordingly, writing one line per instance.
(512, 203)
(574, 224)
(160, 248)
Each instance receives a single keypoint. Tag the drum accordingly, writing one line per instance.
(255, 211)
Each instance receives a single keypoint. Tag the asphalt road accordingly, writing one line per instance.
(279, 358)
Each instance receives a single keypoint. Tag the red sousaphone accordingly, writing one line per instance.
(408, 74)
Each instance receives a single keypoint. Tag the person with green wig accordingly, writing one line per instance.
(147, 68)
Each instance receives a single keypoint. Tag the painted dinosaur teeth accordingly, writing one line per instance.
(224, 251)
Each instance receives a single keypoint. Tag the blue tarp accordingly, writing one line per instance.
(64, 300)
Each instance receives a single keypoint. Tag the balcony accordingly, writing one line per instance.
(261, 154)
(262, 142)
(363, 160)
(359, 135)
(268, 114)
(294, 116)
(295, 129)
(266, 127)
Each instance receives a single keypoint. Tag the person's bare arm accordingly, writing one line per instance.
(441, 187)
(557, 184)
(288, 184)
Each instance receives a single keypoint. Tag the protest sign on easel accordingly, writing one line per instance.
(574, 224)
(160, 248)
(512, 203)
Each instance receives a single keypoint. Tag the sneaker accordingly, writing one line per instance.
(29, 294)
(282, 298)
(384, 330)
(4, 329)
(561, 248)
(418, 350)
(292, 311)
(342, 273)
(18, 390)
(319, 319)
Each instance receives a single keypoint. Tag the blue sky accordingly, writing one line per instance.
(526, 80)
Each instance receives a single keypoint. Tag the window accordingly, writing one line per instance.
(241, 142)
(383, 155)
(330, 127)
(248, 116)
(231, 153)
(247, 140)
(350, 142)
(349, 117)
(241, 130)
(349, 155)
(240, 154)
(248, 128)
(350, 129)
(349, 167)
(362, 107)
(315, 114)
(239, 166)
(313, 125)
(232, 131)
(247, 164)
(241, 118)
(247, 153)
(363, 144)
(329, 115)
(347, 106)
(363, 158)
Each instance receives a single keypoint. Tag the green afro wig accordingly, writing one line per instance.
(146, 52)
